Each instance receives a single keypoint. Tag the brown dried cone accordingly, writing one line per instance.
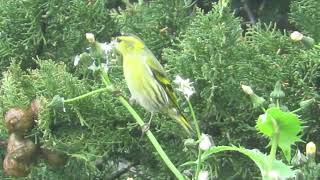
(35, 107)
(54, 158)
(20, 121)
(20, 155)
(22, 149)
(13, 167)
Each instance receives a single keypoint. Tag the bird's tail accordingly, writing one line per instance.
(182, 120)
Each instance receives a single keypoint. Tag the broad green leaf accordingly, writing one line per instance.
(288, 125)
(261, 160)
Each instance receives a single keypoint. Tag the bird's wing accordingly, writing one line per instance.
(152, 62)
(159, 74)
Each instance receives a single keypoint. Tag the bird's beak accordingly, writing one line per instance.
(121, 38)
(117, 41)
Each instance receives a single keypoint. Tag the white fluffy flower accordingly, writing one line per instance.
(296, 36)
(107, 47)
(185, 86)
(203, 175)
(205, 142)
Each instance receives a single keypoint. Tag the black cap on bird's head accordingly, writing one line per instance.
(127, 43)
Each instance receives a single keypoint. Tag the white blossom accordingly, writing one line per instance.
(93, 66)
(247, 89)
(76, 60)
(205, 142)
(107, 47)
(296, 36)
(90, 37)
(185, 86)
(203, 175)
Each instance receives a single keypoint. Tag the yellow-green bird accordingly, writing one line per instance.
(147, 80)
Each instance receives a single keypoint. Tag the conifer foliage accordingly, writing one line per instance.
(219, 49)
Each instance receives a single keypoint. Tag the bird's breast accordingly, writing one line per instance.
(134, 71)
(143, 87)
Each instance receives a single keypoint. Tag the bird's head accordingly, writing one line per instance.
(127, 44)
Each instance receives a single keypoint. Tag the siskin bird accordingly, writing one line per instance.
(147, 80)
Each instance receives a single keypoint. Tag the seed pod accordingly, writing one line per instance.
(257, 101)
(306, 103)
(54, 158)
(298, 159)
(308, 41)
(277, 93)
(18, 120)
(13, 167)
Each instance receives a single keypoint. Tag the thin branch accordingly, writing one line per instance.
(249, 13)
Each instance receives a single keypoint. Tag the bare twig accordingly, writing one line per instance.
(249, 13)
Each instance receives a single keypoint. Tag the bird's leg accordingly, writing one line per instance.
(146, 126)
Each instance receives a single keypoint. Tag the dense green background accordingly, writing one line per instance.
(218, 49)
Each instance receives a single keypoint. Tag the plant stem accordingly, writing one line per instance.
(274, 142)
(199, 161)
(85, 95)
(194, 119)
(198, 168)
(150, 135)
(274, 145)
(153, 140)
